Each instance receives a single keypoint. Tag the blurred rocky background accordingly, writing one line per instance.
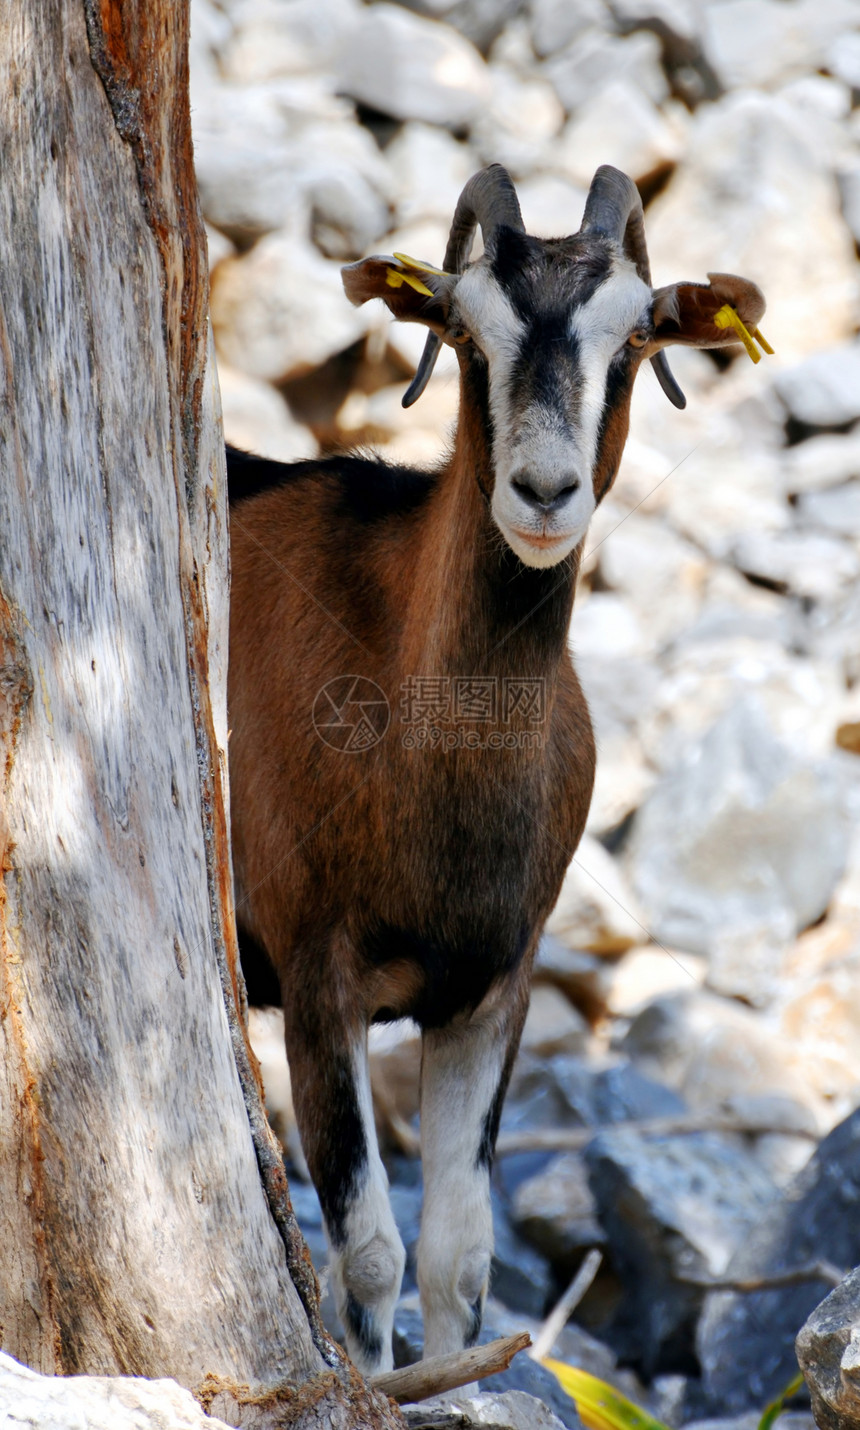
(695, 1025)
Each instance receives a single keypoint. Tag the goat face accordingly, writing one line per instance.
(552, 323)
(550, 335)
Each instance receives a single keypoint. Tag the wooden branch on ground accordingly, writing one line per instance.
(573, 1139)
(564, 1308)
(814, 1271)
(440, 1373)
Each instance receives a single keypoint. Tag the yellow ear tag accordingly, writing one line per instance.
(728, 318)
(395, 279)
(421, 267)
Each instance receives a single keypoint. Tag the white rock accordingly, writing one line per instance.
(280, 310)
(86, 1402)
(210, 33)
(605, 626)
(553, 1025)
(596, 59)
(754, 162)
(679, 20)
(760, 42)
(412, 68)
(556, 23)
(429, 169)
(836, 510)
(287, 152)
(273, 39)
(643, 974)
(803, 562)
(619, 126)
(703, 679)
(552, 206)
(218, 246)
(842, 58)
(509, 1410)
(849, 188)
(822, 462)
(658, 572)
(623, 781)
(742, 840)
(596, 910)
(824, 390)
(713, 1049)
(257, 419)
(522, 117)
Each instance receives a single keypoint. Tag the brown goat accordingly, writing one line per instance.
(411, 753)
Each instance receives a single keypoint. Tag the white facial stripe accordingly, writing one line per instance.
(600, 326)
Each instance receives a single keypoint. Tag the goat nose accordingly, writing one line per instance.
(544, 496)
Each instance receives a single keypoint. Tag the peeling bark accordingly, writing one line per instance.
(145, 1223)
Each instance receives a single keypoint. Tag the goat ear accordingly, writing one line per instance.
(414, 292)
(685, 312)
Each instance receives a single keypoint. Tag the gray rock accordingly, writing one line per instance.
(29, 1401)
(823, 390)
(520, 1277)
(412, 68)
(737, 849)
(672, 1208)
(505, 1410)
(828, 1350)
(620, 120)
(746, 1341)
(555, 1211)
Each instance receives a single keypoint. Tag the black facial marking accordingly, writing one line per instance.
(360, 1321)
(554, 274)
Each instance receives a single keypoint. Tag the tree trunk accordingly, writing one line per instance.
(145, 1225)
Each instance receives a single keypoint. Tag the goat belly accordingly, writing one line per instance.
(446, 977)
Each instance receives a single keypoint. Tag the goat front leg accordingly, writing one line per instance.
(327, 1051)
(465, 1069)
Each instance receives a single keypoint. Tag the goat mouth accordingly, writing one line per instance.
(543, 542)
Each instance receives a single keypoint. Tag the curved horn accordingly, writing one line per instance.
(614, 207)
(489, 199)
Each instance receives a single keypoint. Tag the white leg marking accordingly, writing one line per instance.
(460, 1073)
(367, 1268)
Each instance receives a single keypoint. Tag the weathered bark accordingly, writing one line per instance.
(145, 1225)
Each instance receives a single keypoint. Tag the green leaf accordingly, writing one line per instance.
(775, 1408)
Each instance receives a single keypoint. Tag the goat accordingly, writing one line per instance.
(406, 869)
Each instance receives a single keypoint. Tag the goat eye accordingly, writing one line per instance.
(638, 339)
(462, 338)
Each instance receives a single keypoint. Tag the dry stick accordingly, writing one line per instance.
(440, 1373)
(814, 1271)
(572, 1139)
(561, 1313)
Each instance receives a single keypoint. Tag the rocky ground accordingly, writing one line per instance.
(703, 960)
